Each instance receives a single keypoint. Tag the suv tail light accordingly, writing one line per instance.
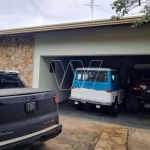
(108, 91)
(56, 100)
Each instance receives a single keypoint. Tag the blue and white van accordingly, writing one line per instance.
(99, 86)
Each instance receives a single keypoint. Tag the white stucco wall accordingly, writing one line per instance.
(102, 41)
(47, 80)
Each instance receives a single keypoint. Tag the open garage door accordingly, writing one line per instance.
(57, 72)
(124, 64)
(119, 47)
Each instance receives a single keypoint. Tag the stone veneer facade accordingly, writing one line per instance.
(16, 53)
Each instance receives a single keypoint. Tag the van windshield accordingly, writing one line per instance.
(98, 76)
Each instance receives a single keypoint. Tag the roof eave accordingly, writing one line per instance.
(75, 25)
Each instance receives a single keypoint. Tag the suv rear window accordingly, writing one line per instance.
(98, 76)
(9, 81)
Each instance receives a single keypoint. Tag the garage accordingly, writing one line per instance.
(60, 77)
(113, 46)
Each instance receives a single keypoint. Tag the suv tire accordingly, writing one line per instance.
(132, 103)
(79, 106)
(113, 109)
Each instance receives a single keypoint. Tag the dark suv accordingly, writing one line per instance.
(138, 90)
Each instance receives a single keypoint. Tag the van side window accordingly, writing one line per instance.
(102, 77)
(85, 76)
(114, 77)
(79, 75)
(92, 76)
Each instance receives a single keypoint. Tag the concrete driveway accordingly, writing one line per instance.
(124, 118)
(81, 134)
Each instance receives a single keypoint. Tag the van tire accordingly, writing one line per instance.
(113, 109)
(132, 103)
(79, 106)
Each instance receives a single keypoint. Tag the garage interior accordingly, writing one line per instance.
(60, 79)
(123, 63)
(116, 46)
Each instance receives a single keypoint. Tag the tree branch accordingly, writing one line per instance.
(136, 5)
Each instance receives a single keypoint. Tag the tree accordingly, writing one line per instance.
(123, 7)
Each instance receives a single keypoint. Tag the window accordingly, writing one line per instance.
(9, 81)
(85, 76)
(79, 75)
(102, 77)
(114, 77)
(92, 76)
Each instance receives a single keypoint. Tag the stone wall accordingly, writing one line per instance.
(16, 53)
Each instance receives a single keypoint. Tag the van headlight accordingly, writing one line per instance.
(143, 87)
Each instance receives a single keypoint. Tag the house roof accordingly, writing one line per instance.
(74, 25)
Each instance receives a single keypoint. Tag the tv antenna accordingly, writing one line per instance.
(91, 5)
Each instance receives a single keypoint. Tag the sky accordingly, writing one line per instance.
(28, 13)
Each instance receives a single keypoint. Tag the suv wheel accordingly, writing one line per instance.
(79, 106)
(113, 109)
(132, 103)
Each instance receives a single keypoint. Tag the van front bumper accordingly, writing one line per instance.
(91, 102)
(33, 139)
